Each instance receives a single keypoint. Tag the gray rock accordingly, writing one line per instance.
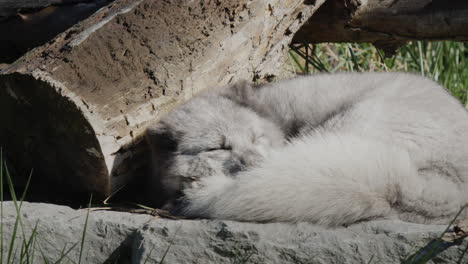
(118, 237)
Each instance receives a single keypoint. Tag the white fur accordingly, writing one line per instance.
(361, 146)
(327, 179)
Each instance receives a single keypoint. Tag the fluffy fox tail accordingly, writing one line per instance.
(325, 179)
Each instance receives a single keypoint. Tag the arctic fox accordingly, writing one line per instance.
(330, 149)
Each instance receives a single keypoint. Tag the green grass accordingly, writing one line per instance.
(22, 247)
(435, 247)
(445, 62)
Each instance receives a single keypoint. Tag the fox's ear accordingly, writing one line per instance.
(160, 139)
(241, 91)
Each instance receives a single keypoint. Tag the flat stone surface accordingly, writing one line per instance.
(118, 237)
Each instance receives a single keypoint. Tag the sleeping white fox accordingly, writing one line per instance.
(327, 149)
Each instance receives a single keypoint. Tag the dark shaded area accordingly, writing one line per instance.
(122, 254)
(32, 28)
(144, 186)
(329, 18)
(9, 8)
(44, 131)
(439, 5)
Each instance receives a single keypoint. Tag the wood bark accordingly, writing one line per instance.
(388, 23)
(74, 109)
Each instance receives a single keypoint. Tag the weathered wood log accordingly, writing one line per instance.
(387, 23)
(74, 109)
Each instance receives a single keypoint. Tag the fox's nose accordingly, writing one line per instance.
(235, 168)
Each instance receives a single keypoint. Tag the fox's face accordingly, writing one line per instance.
(209, 135)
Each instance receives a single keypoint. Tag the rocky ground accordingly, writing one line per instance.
(119, 237)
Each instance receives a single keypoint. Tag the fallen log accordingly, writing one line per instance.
(74, 108)
(388, 24)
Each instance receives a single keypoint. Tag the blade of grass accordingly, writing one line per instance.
(451, 222)
(22, 249)
(297, 63)
(319, 62)
(353, 58)
(27, 248)
(412, 56)
(433, 248)
(26, 188)
(14, 255)
(84, 229)
(17, 207)
(11, 188)
(421, 60)
(435, 59)
(18, 215)
(12, 241)
(64, 253)
(34, 245)
(382, 59)
(171, 242)
(292, 63)
(43, 241)
(309, 60)
(44, 259)
(24, 253)
(149, 254)
(31, 243)
(106, 201)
